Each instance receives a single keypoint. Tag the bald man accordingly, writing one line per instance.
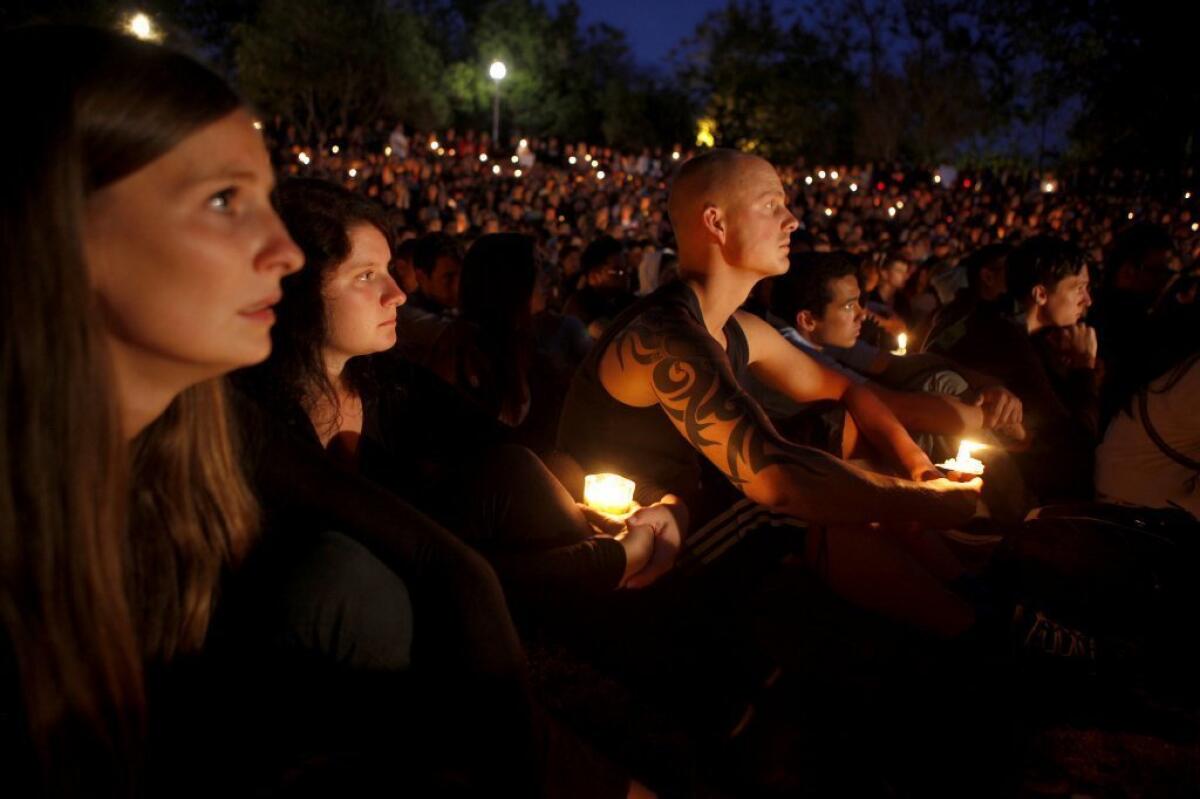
(659, 400)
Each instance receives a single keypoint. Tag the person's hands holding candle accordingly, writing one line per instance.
(964, 464)
(668, 540)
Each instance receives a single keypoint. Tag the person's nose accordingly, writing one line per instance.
(280, 251)
(393, 295)
(792, 223)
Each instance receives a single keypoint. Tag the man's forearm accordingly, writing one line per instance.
(883, 430)
(931, 413)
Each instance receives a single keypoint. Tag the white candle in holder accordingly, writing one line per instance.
(901, 345)
(608, 493)
(963, 462)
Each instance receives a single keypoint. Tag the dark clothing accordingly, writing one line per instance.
(1061, 406)
(606, 435)
(425, 443)
(590, 304)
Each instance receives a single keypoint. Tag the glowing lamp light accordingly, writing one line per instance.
(901, 345)
(497, 70)
(963, 462)
(608, 493)
(140, 26)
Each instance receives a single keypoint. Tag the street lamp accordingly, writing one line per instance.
(497, 71)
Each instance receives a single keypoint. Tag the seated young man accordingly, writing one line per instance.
(1047, 355)
(820, 298)
(659, 399)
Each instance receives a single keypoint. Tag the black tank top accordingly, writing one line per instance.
(606, 435)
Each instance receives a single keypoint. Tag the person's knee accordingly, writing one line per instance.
(348, 607)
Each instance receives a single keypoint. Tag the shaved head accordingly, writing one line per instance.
(730, 207)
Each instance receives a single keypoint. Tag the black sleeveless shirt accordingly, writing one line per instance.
(606, 435)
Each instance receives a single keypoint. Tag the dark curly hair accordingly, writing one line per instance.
(318, 215)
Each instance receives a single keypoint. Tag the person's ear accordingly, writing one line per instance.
(805, 322)
(1040, 297)
(714, 222)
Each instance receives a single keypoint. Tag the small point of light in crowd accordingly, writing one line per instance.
(675, 156)
(1195, 226)
(595, 164)
(497, 70)
(853, 187)
(966, 183)
(517, 173)
(257, 125)
(562, 219)
(1131, 214)
(353, 173)
(891, 210)
(899, 203)
(303, 158)
(808, 180)
(141, 26)
(1049, 187)
(514, 159)
(387, 150)
(828, 212)
(834, 174)
(937, 178)
(453, 152)
(483, 158)
(600, 175)
(821, 174)
(334, 149)
(523, 143)
(1187, 195)
(441, 151)
(496, 169)
(433, 145)
(586, 157)
(879, 186)
(571, 160)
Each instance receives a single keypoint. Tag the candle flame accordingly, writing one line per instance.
(608, 493)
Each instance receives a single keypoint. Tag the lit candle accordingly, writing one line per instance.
(963, 462)
(901, 345)
(608, 493)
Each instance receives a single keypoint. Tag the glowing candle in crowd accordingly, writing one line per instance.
(142, 27)
(853, 187)
(891, 210)
(821, 174)
(483, 158)
(1187, 195)
(303, 157)
(828, 212)
(441, 151)
(834, 174)
(514, 159)
(1049, 187)
(496, 169)
(1131, 214)
(334, 149)
(387, 150)
(808, 180)
(608, 493)
(600, 175)
(257, 125)
(353, 173)
(899, 203)
(571, 160)
(595, 164)
(963, 462)
(1195, 226)
(675, 156)
(517, 173)
(937, 178)
(523, 144)
(433, 145)
(901, 345)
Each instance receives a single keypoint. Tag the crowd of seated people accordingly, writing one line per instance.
(308, 574)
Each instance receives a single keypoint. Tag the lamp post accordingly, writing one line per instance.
(497, 70)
